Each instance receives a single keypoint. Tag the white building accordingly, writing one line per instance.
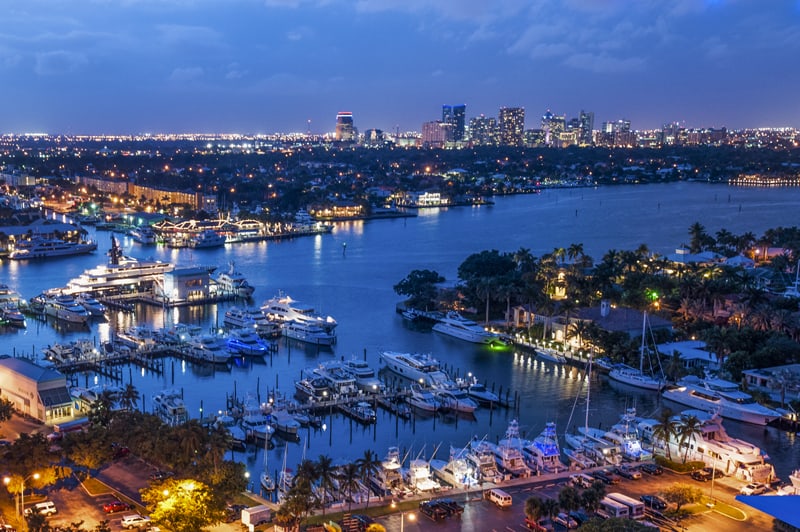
(35, 391)
(693, 353)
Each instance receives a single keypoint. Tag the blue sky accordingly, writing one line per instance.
(264, 66)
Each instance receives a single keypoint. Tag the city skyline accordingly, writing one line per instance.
(270, 66)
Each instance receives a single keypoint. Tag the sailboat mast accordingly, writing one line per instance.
(641, 349)
(588, 394)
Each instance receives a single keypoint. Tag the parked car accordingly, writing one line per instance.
(629, 472)
(579, 516)
(233, 512)
(135, 521)
(754, 488)
(159, 475)
(654, 501)
(115, 506)
(120, 451)
(565, 520)
(651, 469)
(701, 475)
(450, 506)
(363, 521)
(716, 473)
(432, 511)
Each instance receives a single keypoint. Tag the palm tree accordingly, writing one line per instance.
(485, 289)
(533, 508)
(688, 431)
(577, 330)
(569, 498)
(325, 474)
(349, 481)
(130, 397)
(550, 507)
(368, 466)
(665, 430)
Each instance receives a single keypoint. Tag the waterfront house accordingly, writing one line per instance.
(35, 391)
(692, 353)
(781, 383)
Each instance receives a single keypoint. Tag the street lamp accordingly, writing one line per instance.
(7, 481)
(411, 516)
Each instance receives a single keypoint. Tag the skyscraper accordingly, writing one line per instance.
(586, 122)
(455, 115)
(553, 126)
(483, 130)
(345, 132)
(512, 125)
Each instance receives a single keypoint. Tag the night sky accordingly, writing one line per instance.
(265, 66)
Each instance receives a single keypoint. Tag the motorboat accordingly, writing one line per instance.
(480, 455)
(138, 336)
(284, 308)
(508, 452)
(243, 318)
(64, 307)
(457, 471)
(10, 314)
(235, 432)
(233, 282)
(246, 342)
(721, 396)
(388, 479)
(92, 305)
(418, 367)
(637, 377)
(418, 476)
(284, 422)
(364, 374)
(46, 248)
(455, 399)
(208, 348)
(340, 382)
(480, 393)
(169, 406)
(550, 355)
(144, 235)
(361, 411)
(313, 388)
(254, 421)
(422, 399)
(543, 452)
(625, 433)
(456, 325)
(207, 238)
(74, 351)
(711, 445)
(307, 332)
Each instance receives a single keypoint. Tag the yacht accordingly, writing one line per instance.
(340, 382)
(365, 376)
(625, 433)
(713, 446)
(307, 332)
(422, 399)
(207, 238)
(418, 476)
(168, 405)
(45, 248)
(64, 307)
(550, 355)
(722, 396)
(254, 421)
(143, 235)
(208, 348)
(455, 399)
(284, 422)
(11, 315)
(637, 377)
(246, 342)
(508, 452)
(454, 324)
(480, 393)
(420, 368)
(388, 478)
(284, 308)
(233, 282)
(457, 471)
(137, 336)
(240, 318)
(595, 449)
(235, 432)
(481, 457)
(92, 305)
(361, 411)
(543, 452)
(313, 388)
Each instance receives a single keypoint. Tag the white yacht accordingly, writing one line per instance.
(713, 446)
(364, 374)
(64, 307)
(422, 399)
(455, 399)
(638, 377)
(228, 423)
(284, 422)
(313, 388)
(418, 476)
(454, 324)
(480, 393)
(169, 406)
(143, 235)
(550, 355)
(340, 382)
(361, 411)
(389, 478)
(243, 318)
(417, 367)
(92, 305)
(207, 238)
(457, 471)
(233, 282)
(284, 308)
(208, 348)
(10, 314)
(543, 452)
(308, 332)
(625, 433)
(482, 459)
(254, 421)
(45, 248)
(722, 396)
(246, 342)
(508, 453)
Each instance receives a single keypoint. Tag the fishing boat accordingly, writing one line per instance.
(637, 377)
(418, 476)
(508, 453)
(420, 368)
(543, 453)
(625, 433)
(388, 479)
(234, 283)
(480, 455)
(457, 471)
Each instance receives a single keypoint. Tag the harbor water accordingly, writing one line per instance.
(349, 274)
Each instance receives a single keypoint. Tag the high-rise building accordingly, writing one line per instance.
(586, 126)
(435, 134)
(345, 131)
(553, 126)
(455, 115)
(512, 125)
(483, 130)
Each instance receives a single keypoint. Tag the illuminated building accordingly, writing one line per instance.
(455, 115)
(345, 131)
(512, 125)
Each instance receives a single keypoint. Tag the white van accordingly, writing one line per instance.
(499, 497)
(582, 480)
(44, 508)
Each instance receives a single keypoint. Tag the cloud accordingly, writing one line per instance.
(59, 62)
(186, 74)
(178, 35)
(604, 63)
(235, 71)
(300, 33)
(715, 48)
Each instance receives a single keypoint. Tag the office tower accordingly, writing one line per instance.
(512, 126)
(435, 134)
(586, 126)
(553, 126)
(483, 130)
(345, 132)
(455, 115)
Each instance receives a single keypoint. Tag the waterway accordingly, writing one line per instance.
(350, 273)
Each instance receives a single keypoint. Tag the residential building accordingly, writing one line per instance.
(35, 391)
(512, 126)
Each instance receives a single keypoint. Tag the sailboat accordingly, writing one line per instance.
(267, 482)
(632, 376)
